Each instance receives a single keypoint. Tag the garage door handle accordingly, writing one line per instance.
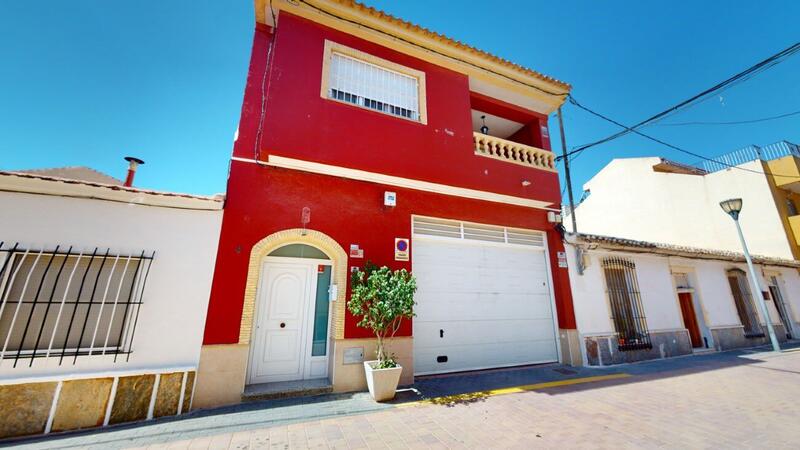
(283, 325)
(441, 333)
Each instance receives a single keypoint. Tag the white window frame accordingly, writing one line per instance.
(332, 48)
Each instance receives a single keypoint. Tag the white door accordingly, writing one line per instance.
(483, 297)
(278, 352)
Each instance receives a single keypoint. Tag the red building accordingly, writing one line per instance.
(361, 132)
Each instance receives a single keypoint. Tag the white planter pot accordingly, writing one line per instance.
(382, 383)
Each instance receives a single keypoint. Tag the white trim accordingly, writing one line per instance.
(53, 406)
(112, 396)
(154, 395)
(194, 388)
(183, 393)
(390, 180)
(89, 375)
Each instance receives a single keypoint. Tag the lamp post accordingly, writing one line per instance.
(733, 207)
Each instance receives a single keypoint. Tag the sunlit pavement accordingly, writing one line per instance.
(724, 400)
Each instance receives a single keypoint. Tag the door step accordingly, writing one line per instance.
(286, 389)
(703, 350)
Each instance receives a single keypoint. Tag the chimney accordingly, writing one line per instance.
(133, 163)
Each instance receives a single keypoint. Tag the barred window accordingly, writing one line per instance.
(744, 303)
(65, 303)
(627, 312)
(373, 87)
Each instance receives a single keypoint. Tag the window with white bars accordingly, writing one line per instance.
(627, 311)
(444, 228)
(64, 303)
(363, 80)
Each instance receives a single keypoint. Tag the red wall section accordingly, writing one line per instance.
(263, 200)
(301, 124)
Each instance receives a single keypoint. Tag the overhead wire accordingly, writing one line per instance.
(667, 144)
(735, 122)
(729, 82)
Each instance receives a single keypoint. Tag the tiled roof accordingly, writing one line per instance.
(111, 187)
(381, 15)
(678, 250)
(81, 173)
(458, 44)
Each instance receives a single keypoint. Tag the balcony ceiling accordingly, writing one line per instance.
(498, 126)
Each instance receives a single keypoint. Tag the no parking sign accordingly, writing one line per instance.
(401, 249)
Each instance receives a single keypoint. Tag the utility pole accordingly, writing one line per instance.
(578, 253)
(566, 172)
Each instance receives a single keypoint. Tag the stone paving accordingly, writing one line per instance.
(723, 400)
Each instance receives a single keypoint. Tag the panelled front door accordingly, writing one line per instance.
(278, 352)
(690, 318)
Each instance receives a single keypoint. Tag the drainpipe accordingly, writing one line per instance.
(133, 163)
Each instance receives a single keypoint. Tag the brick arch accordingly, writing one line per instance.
(295, 236)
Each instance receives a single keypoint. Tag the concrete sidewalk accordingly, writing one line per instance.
(204, 428)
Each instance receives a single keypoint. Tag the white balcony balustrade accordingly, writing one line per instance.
(513, 152)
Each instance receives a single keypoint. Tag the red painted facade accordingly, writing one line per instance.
(299, 123)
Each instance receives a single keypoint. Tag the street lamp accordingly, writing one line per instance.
(733, 206)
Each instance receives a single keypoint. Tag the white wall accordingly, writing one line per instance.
(592, 312)
(629, 200)
(659, 296)
(172, 318)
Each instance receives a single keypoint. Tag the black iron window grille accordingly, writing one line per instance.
(744, 303)
(627, 312)
(64, 303)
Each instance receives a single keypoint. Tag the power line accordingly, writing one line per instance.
(739, 77)
(739, 122)
(675, 147)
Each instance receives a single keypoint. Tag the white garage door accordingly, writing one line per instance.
(483, 297)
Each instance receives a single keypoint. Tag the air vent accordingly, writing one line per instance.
(443, 228)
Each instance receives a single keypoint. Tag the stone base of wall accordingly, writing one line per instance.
(351, 377)
(221, 375)
(603, 351)
(54, 405)
(570, 347)
(729, 338)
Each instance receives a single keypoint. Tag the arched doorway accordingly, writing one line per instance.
(288, 319)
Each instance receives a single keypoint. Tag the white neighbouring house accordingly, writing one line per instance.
(656, 200)
(638, 300)
(103, 298)
(657, 269)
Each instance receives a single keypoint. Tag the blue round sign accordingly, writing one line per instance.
(402, 245)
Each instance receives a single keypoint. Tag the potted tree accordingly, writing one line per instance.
(382, 298)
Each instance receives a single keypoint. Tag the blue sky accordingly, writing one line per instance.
(87, 82)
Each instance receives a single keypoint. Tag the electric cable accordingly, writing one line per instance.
(667, 144)
(739, 122)
(735, 79)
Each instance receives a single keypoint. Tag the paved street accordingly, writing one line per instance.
(725, 400)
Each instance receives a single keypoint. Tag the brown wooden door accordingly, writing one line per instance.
(690, 318)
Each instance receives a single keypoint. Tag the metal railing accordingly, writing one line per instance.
(627, 311)
(751, 153)
(61, 302)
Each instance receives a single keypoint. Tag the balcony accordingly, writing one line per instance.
(513, 152)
